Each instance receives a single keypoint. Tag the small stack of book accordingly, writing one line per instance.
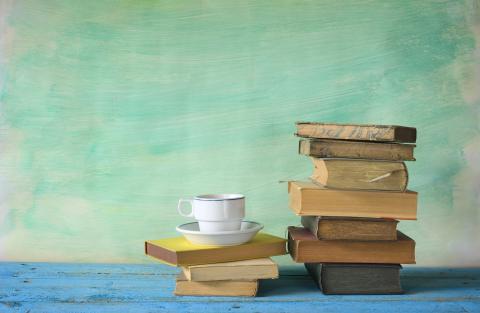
(349, 210)
(219, 271)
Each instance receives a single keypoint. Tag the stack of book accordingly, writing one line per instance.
(216, 270)
(349, 210)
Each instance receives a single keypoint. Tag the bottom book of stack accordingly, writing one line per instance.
(239, 278)
(356, 278)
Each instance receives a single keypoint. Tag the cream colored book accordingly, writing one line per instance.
(309, 199)
(227, 288)
(263, 268)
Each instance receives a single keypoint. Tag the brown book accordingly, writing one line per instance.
(351, 228)
(304, 247)
(387, 133)
(356, 150)
(227, 288)
(307, 198)
(179, 251)
(360, 174)
(254, 269)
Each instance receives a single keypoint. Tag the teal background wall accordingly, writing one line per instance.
(112, 110)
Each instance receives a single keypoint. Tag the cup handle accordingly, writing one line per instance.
(180, 207)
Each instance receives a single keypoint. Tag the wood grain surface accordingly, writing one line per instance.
(82, 288)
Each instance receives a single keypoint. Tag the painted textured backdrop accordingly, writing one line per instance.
(112, 110)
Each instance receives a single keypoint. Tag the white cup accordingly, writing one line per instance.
(215, 212)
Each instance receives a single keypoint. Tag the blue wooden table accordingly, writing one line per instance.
(50, 287)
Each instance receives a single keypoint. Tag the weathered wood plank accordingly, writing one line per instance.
(49, 287)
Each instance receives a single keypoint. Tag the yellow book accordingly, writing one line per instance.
(179, 251)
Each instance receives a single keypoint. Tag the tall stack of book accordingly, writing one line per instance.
(219, 270)
(349, 210)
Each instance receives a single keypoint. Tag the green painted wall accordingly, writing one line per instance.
(112, 110)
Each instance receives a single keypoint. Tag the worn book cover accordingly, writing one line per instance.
(351, 174)
(254, 269)
(350, 228)
(307, 198)
(356, 278)
(321, 148)
(226, 288)
(179, 251)
(304, 247)
(365, 132)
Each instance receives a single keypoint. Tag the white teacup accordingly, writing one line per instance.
(216, 212)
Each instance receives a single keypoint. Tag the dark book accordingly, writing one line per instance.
(386, 133)
(337, 279)
(351, 228)
(350, 174)
(356, 150)
(304, 247)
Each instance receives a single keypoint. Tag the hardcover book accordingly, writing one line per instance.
(304, 247)
(350, 228)
(254, 269)
(388, 133)
(360, 174)
(227, 288)
(356, 150)
(179, 251)
(337, 279)
(307, 198)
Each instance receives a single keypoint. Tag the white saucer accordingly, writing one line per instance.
(225, 238)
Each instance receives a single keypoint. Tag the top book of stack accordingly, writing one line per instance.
(355, 132)
(179, 251)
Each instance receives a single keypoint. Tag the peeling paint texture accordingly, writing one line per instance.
(112, 110)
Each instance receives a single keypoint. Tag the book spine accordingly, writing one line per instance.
(356, 150)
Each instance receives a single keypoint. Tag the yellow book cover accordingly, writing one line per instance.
(178, 251)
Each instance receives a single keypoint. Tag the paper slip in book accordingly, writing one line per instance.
(360, 174)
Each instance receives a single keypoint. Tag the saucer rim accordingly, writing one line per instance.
(256, 228)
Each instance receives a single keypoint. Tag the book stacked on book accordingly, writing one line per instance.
(349, 210)
(219, 270)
